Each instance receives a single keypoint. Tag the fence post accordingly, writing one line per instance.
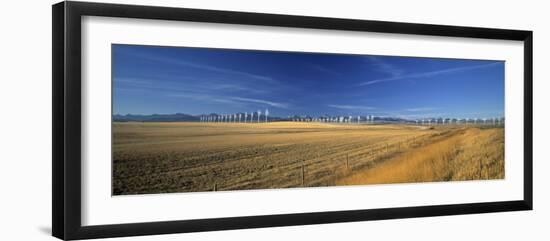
(480, 168)
(303, 174)
(215, 187)
(347, 161)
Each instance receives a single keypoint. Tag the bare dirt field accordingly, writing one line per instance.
(194, 156)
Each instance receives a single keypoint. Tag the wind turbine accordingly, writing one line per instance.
(266, 114)
(245, 116)
(259, 114)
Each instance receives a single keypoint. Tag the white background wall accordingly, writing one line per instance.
(25, 119)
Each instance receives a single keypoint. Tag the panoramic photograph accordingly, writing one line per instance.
(187, 119)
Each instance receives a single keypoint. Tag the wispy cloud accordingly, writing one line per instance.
(385, 67)
(421, 109)
(323, 69)
(203, 66)
(259, 101)
(352, 107)
(427, 74)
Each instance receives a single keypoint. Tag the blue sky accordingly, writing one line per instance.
(167, 80)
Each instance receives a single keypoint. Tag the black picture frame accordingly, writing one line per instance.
(66, 128)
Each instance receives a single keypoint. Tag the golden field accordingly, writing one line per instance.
(194, 156)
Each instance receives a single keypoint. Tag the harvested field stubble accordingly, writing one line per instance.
(191, 156)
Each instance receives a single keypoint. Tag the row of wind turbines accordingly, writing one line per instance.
(259, 116)
(252, 117)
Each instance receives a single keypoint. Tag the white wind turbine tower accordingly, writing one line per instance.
(245, 116)
(358, 119)
(259, 114)
(266, 114)
(239, 117)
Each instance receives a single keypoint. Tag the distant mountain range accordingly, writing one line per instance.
(177, 117)
(156, 118)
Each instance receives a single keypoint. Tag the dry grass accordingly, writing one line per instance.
(187, 157)
(471, 154)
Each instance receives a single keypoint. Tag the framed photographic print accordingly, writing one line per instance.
(170, 120)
